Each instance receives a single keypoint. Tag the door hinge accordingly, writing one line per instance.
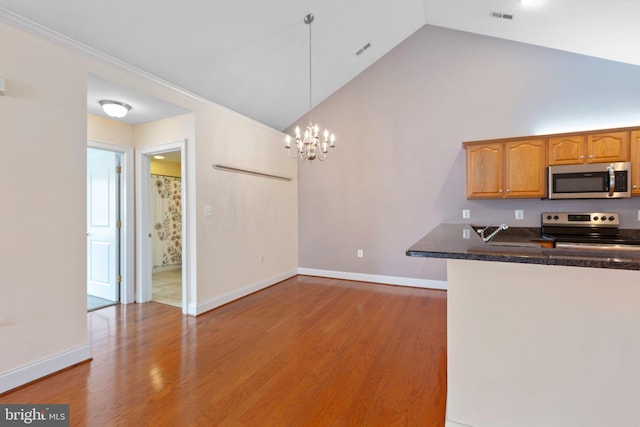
(118, 224)
(118, 169)
(119, 278)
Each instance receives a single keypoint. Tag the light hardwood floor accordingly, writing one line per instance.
(306, 352)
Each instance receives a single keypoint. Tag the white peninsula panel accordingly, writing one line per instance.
(542, 345)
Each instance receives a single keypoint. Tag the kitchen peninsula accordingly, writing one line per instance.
(538, 336)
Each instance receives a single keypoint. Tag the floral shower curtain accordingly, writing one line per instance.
(166, 211)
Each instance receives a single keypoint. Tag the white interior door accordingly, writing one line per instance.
(102, 224)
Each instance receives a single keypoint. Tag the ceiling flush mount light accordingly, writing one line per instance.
(115, 109)
(311, 145)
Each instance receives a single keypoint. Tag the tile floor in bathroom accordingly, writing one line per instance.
(167, 287)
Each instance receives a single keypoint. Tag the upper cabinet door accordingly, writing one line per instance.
(608, 147)
(635, 163)
(485, 171)
(525, 168)
(566, 150)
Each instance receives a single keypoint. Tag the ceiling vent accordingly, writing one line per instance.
(501, 15)
(362, 49)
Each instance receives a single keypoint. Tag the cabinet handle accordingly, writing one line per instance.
(635, 186)
(500, 190)
(508, 191)
(591, 156)
(582, 157)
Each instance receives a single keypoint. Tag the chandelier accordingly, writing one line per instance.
(310, 145)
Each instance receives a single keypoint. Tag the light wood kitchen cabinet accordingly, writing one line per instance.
(506, 169)
(635, 163)
(525, 168)
(485, 170)
(566, 149)
(588, 148)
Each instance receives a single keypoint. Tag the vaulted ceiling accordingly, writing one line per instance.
(252, 56)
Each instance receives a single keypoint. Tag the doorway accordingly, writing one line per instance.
(161, 219)
(166, 231)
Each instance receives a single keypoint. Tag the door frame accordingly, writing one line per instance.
(143, 218)
(127, 232)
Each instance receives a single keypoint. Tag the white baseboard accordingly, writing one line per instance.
(387, 280)
(450, 423)
(197, 309)
(41, 368)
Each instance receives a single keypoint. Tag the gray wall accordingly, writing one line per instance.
(399, 168)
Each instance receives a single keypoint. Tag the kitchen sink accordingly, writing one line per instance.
(512, 236)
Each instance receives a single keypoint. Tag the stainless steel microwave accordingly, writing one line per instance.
(590, 181)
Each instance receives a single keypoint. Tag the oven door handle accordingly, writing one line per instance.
(612, 181)
(598, 246)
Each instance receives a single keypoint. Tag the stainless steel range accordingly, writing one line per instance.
(587, 231)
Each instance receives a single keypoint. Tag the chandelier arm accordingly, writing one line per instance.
(289, 154)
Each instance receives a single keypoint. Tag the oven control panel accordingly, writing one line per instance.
(581, 219)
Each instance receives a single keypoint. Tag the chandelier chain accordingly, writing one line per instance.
(310, 85)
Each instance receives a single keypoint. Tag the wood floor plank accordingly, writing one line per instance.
(306, 352)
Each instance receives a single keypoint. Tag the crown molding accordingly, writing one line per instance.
(46, 33)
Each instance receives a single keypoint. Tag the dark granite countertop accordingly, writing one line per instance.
(520, 245)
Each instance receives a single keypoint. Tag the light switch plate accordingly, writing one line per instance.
(466, 214)
(1, 85)
(519, 214)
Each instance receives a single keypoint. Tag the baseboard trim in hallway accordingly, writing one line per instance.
(374, 278)
(41, 368)
(198, 309)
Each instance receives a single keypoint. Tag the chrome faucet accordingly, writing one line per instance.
(492, 235)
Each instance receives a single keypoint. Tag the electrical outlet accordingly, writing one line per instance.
(208, 211)
(466, 214)
(519, 214)
(360, 253)
(639, 215)
(466, 233)
(261, 258)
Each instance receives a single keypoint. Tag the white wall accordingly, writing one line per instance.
(399, 168)
(109, 131)
(43, 309)
(251, 215)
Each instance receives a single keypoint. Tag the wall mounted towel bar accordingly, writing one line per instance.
(249, 172)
